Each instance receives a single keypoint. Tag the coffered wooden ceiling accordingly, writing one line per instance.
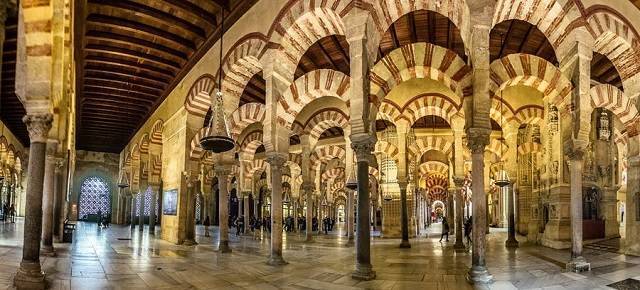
(636, 2)
(134, 52)
(11, 109)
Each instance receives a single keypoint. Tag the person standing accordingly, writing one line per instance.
(206, 224)
(445, 229)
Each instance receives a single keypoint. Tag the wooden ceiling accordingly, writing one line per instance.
(422, 26)
(516, 36)
(11, 109)
(134, 53)
(331, 52)
(636, 3)
(604, 72)
(254, 92)
(431, 122)
(332, 132)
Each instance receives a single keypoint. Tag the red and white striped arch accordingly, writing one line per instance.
(240, 65)
(144, 144)
(529, 114)
(309, 87)
(611, 98)
(420, 61)
(387, 148)
(529, 147)
(385, 13)
(498, 149)
(156, 133)
(424, 144)
(389, 111)
(324, 120)
(250, 143)
(197, 151)
(200, 95)
(333, 173)
(302, 23)
(326, 153)
(617, 41)
(531, 71)
(252, 167)
(430, 105)
(434, 168)
(555, 18)
(246, 115)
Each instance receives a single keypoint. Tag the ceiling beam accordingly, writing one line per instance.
(128, 40)
(114, 50)
(90, 66)
(113, 83)
(122, 77)
(153, 14)
(129, 64)
(193, 9)
(137, 27)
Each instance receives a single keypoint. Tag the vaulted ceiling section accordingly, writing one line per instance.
(134, 52)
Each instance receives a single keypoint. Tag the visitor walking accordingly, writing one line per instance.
(445, 229)
(206, 224)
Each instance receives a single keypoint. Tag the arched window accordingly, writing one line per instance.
(147, 203)
(94, 197)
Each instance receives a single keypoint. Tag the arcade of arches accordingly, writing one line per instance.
(514, 123)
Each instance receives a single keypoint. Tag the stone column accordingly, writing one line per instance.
(59, 200)
(577, 263)
(308, 189)
(404, 215)
(276, 162)
(48, 200)
(222, 172)
(478, 138)
(142, 193)
(246, 212)
(134, 206)
(459, 203)
(349, 212)
(30, 275)
(152, 210)
(192, 190)
(363, 144)
(511, 240)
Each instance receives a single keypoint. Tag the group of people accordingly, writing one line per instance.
(256, 224)
(8, 213)
(103, 219)
(468, 223)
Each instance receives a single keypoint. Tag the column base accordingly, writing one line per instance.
(511, 243)
(405, 244)
(578, 264)
(29, 276)
(309, 239)
(189, 242)
(223, 247)
(48, 251)
(363, 272)
(459, 246)
(276, 261)
(479, 275)
(350, 242)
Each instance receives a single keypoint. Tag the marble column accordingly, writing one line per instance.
(308, 189)
(459, 183)
(577, 263)
(222, 172)
(404, 215)
(478, 138)
(276, 162)
(142, 193)
(363, 144)
(511, 240)
(48, 197)
(29, 274)
(350, 216)
(192, 190)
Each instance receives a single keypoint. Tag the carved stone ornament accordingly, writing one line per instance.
(38, 126)
(276, 160)
(478, 139)
(362, 147)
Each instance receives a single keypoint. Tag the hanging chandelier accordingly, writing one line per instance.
(502, 179)
(124, 182)
(351, 183)
(217, 138)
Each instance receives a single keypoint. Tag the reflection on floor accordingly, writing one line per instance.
(105, 259)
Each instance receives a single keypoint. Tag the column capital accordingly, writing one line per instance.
(38, 126)
(477, 139)
(222, 170)
(308, 186)
(276, 159)
(458, 181)
(362, 145)
(574, 154)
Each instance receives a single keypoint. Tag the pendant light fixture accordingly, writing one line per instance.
(217, 138)
(503, 179)
(124, 182)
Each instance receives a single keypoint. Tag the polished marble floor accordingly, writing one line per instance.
(114, 258)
